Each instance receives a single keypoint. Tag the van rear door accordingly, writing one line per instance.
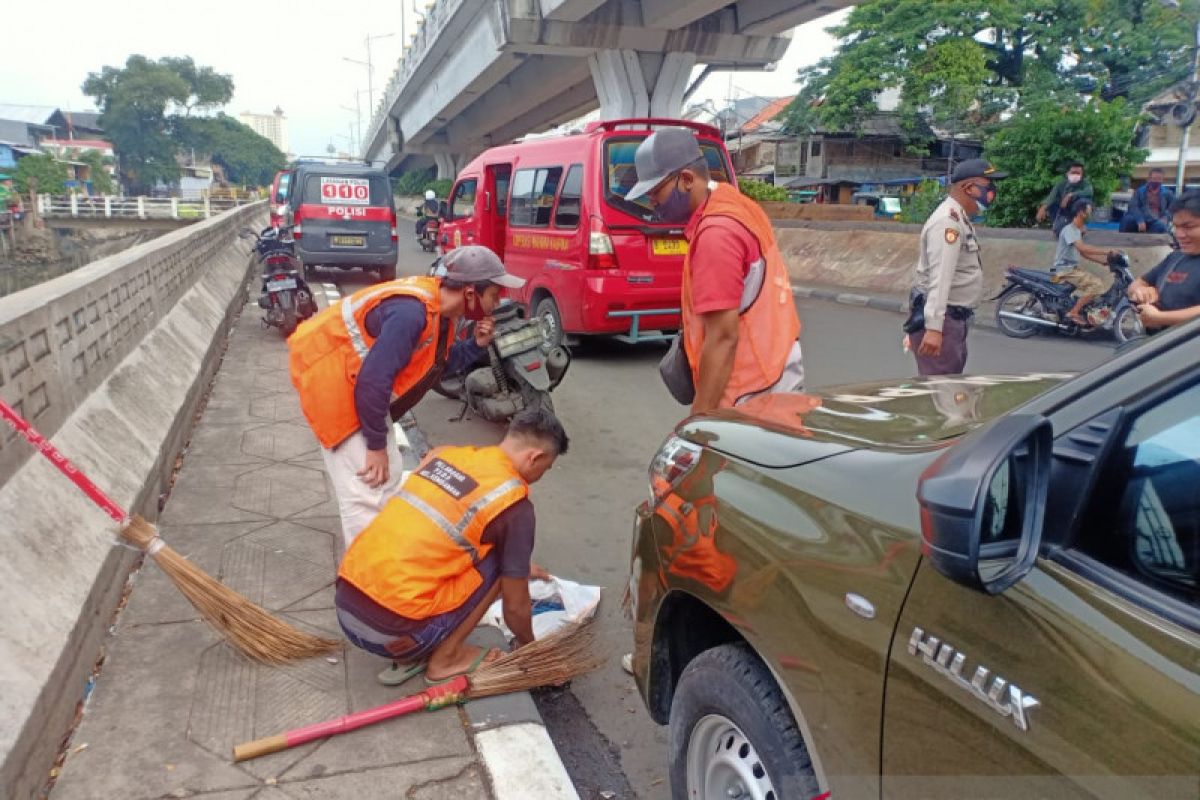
(346, 213)
(642, 245)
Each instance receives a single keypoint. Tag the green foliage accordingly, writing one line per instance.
(102, 182)
(1035, 147)
(759, 190)
(51, 176)
(417, 182)
(968, 62)
(246, 157)
(920, 204)
(137, 103)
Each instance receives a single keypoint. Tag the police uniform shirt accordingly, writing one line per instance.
(949, 271)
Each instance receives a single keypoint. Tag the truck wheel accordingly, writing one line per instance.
(387, 273)
(732, 734)
(1018, 301)
(551, 321)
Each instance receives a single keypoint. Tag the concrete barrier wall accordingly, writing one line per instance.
(882, 257)
(110, 361)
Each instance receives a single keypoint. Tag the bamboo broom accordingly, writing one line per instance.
(243, 624)
(549, 661)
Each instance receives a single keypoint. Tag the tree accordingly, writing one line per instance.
(921, 203)
(1035, 148)
(102, 182)
(246, 157)
(976, 61)
(134, 104)
(51, 176)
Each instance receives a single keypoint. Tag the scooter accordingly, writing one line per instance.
(519, 369)
(285, 295)
(428, 238)
(1031, 301)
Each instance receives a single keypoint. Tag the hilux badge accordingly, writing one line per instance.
(1005, 698)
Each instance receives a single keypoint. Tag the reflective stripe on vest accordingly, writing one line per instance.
(350, 310)
(455, 532)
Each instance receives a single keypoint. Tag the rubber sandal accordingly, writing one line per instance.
(474, 666)
(397, 674)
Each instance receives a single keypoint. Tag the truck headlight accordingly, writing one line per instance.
(674, 460)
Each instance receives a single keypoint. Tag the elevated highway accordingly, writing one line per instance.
(482, 72)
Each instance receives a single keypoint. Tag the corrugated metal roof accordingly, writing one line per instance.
(34, 114)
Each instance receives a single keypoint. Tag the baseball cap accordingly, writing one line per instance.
(660, 154)
(976, 168)
(474, 263)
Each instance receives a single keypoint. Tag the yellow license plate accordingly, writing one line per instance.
(348, 241)
(669, 247)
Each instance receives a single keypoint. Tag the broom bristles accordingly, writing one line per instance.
(552, 660)
(252, 630)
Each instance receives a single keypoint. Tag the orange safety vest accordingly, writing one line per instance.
(327, 352)
(769, 327)
(417, 558)
(693, 551)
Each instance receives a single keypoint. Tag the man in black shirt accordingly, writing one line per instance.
(1169, 294)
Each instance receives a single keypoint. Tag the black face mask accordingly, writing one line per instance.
(676, 208)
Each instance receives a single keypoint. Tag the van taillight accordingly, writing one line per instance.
(601, 254)
(297, 228)
(395, 238)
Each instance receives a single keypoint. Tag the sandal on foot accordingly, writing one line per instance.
(398, 673)
(479, 659)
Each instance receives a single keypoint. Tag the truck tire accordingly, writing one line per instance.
(387, 273)
(732, 734)
(547, 313)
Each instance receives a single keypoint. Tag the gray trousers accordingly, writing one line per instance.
(952, 360)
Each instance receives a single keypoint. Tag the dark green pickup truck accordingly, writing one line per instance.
(972, 587)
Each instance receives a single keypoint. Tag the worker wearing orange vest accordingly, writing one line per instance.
(373, 355)
(459, 533)
(740, 327)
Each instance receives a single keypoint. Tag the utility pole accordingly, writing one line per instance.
(370, 67)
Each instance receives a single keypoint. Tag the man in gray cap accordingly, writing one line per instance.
(739, 324)
(370, 357)
(949, 276)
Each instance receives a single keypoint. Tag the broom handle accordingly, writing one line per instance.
(59, 460)
(433, 698)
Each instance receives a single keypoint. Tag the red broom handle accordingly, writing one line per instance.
(433, 698)
(59, 460)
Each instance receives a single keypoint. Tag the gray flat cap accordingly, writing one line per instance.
(474, 263)
(660, 154)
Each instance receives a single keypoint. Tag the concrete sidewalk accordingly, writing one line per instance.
(251, 505)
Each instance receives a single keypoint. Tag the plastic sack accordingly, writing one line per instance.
(555, 603)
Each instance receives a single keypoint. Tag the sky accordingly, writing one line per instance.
(285, 55)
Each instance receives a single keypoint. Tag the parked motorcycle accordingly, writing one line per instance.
(519, 369)
(285, 295)
(1030, 301)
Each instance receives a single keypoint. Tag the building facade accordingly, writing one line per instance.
(271, 126)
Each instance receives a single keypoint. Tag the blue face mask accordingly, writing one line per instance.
(676, 208)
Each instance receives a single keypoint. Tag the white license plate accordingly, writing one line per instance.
(279, 286)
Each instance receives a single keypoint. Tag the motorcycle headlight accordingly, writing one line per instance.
(515, 342)
(674, 460)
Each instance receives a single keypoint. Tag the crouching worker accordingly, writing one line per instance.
(459, 533)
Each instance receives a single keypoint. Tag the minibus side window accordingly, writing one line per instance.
(462, 204)
(533, 196)
(566, 215)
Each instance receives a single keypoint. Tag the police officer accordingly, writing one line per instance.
(949, 280)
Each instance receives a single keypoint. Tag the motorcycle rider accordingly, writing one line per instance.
(429, 211)
(1067, 268)
(380, 350)
(1169, 294)
(949, 275)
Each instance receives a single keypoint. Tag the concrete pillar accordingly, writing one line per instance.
(629, 84)
(445, 166)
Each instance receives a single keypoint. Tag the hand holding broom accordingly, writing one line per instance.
(246, 626)
(549, 661)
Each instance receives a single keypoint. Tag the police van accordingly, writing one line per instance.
(344, 216)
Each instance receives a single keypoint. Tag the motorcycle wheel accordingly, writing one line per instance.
(1127, 327)
(1018, 301)
(289, 321)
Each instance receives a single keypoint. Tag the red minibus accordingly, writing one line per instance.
(554, 210)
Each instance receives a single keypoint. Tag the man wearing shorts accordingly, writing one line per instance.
(459, 534)
(1067, 268)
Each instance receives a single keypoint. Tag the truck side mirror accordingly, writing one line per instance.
(983, 503)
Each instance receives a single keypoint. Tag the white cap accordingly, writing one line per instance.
(429, 195)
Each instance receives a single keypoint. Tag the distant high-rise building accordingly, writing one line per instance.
(272, 126)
